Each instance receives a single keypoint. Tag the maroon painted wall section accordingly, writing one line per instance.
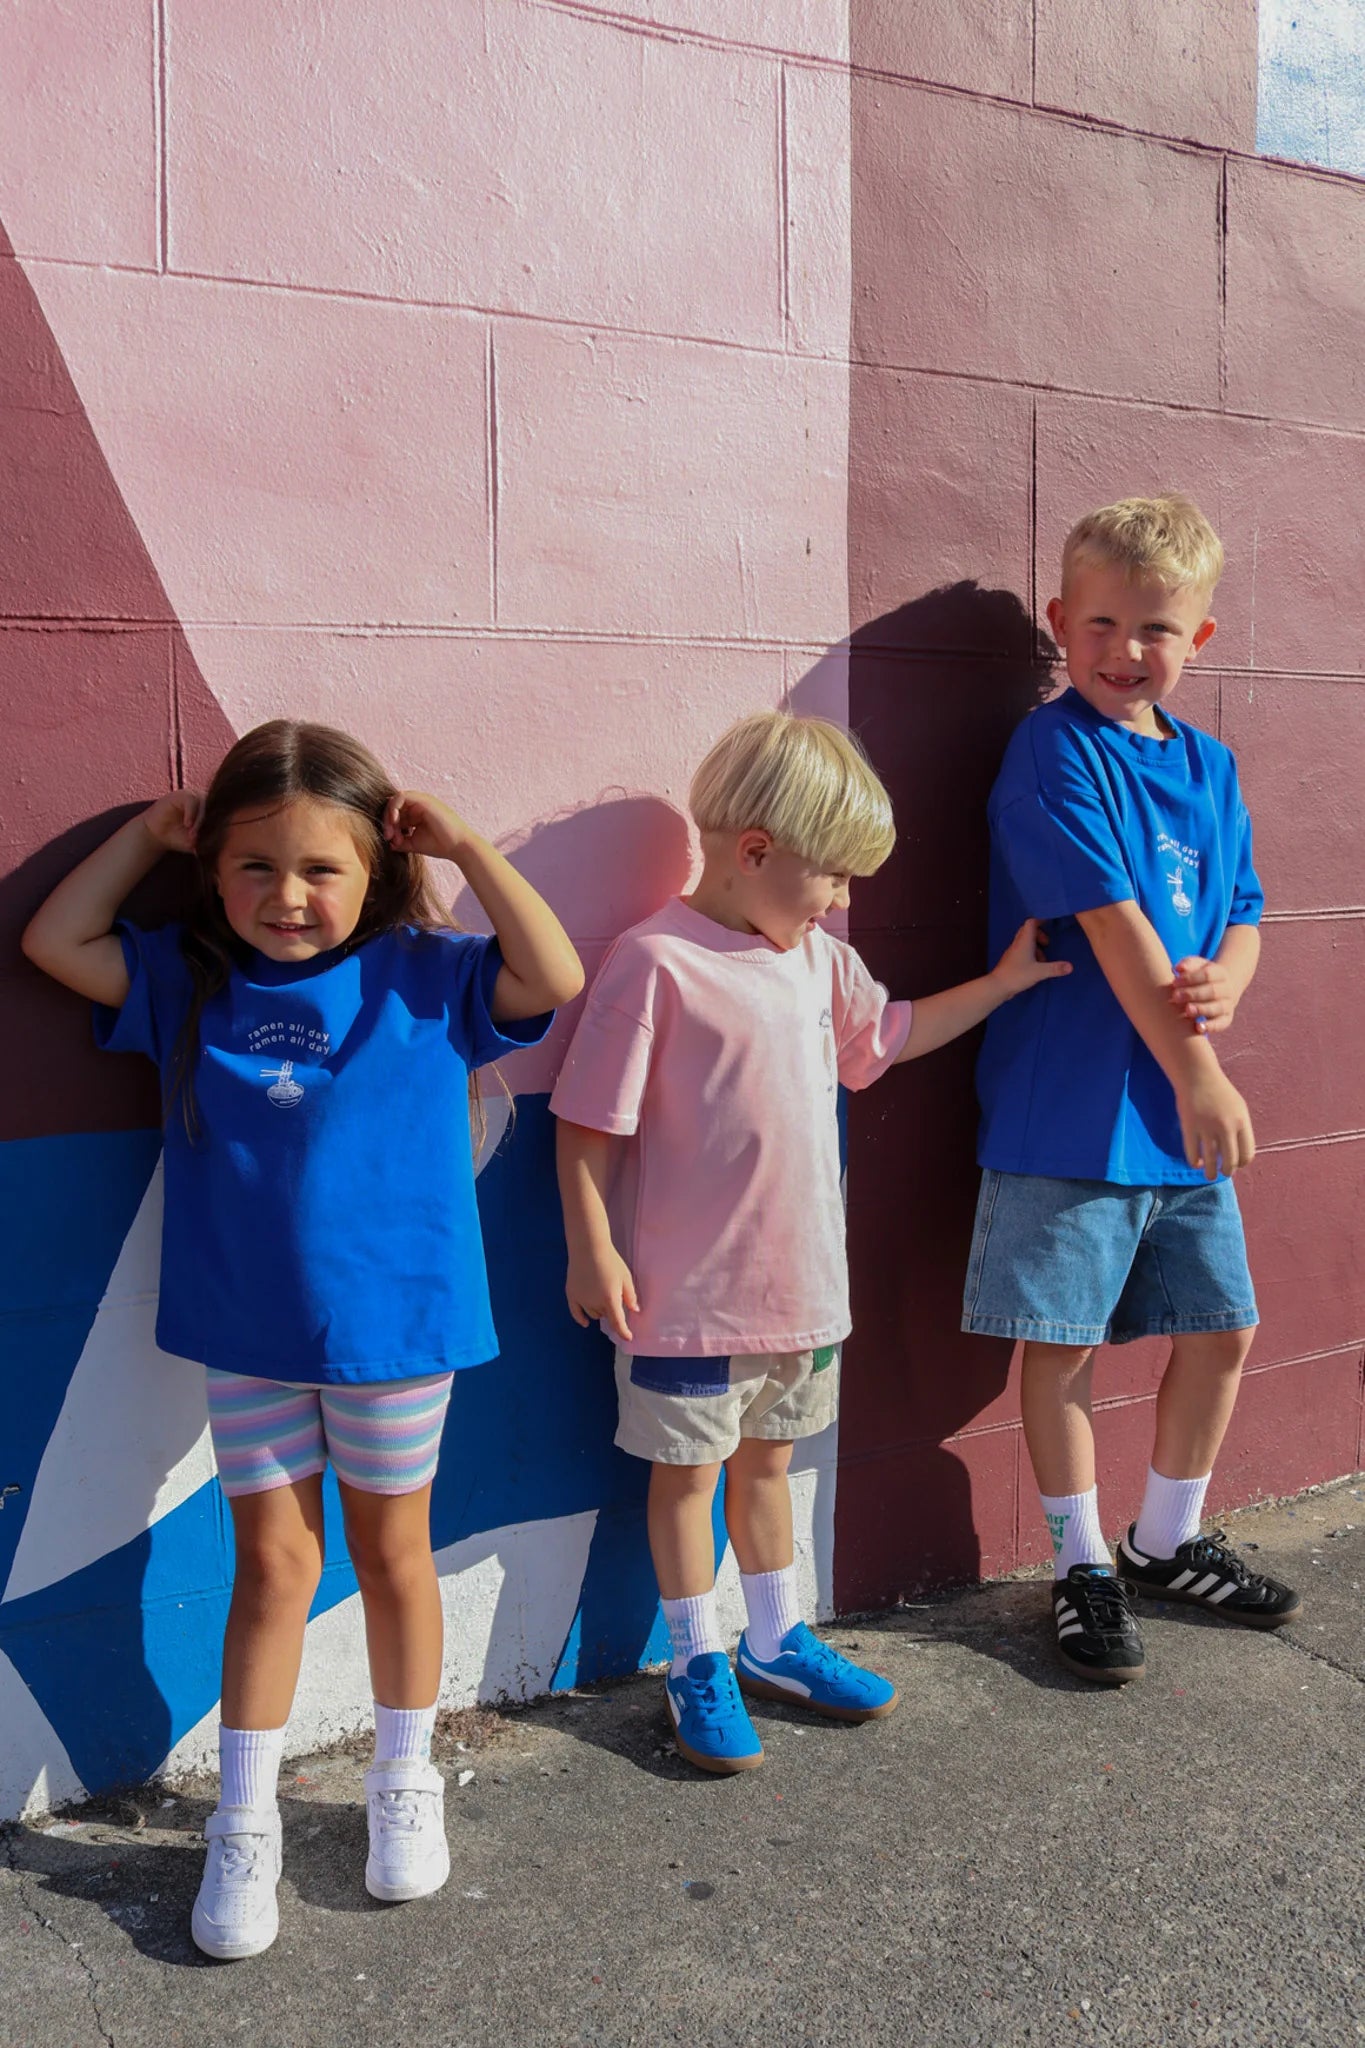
(1069, 285)
(100, 698)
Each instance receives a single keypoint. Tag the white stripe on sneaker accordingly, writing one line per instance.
(1179, 1583)
(1228, 1586)
(1209, 1579)
(1073, 1628)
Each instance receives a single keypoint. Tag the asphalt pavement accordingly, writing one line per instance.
(1014, 1856)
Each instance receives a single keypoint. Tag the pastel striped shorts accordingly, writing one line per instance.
(381, 1438)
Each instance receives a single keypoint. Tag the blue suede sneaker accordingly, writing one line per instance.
(811, 1673)
(710, 1724)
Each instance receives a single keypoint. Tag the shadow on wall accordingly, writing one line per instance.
(935, 689)
(102, 703)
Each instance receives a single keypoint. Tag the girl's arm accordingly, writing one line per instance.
(937, 1020)
(540, 968)
(71, 937)
(599, 1281)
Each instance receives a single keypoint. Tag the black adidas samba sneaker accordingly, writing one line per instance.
(1208, 1573)
(1097, 1636)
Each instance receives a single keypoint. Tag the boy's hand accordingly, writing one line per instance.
(1215, 1124)
(414, 823)
(600, 1286)
(1024, 964)
(173, 820)
(1204, 992)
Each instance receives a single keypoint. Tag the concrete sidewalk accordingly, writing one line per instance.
(1012, 1857)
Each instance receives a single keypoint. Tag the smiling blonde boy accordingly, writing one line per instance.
(701, 1094)
(1108, 1125)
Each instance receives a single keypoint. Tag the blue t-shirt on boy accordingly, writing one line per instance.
(323, 1227)
(1087, 812)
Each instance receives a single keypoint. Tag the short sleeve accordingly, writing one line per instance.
(1058, 837)
(1248, 897)
(869, 1029)
(602, 1082)
(151, 1015)
(477, 963)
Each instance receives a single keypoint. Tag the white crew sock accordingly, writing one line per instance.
(693, 1629)
(249, 1759)
(1170, 1513)
(772, 1607)
(403, 1734)
(1074, 1522)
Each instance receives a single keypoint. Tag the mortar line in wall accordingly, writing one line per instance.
(607, 636)
(1033, 54)
(1307, 1144)
(159, 144)
(816, 60)
(604, 329)
(1222, 232)
(783, 223)
(491, 481)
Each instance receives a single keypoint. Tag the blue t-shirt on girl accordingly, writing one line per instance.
(323, 1227)
(1086, 812)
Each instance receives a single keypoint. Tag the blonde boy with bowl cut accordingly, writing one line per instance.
(699, 1170)
(1109, 1130)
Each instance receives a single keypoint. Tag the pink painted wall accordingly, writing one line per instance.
(1073, 280)
(534, 386)
(468, 376)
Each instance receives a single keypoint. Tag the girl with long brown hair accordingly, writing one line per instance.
(317, 1021)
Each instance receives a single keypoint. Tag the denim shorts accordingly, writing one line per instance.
(1093, 1262)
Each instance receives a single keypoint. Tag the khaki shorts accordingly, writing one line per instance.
(694, 1411)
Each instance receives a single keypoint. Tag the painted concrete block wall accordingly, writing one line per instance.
(1073, 278)
(440, 374)
(532, 388)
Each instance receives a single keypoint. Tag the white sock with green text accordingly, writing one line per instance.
(1073, 1519)
(693, 1629)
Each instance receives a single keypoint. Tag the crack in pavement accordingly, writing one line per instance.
(27, 1900)
(1293, 1642)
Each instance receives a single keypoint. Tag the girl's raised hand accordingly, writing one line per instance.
(414, 823)
(173, 820)
(1023, 964)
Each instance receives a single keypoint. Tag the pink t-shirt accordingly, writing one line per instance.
(717, 1057)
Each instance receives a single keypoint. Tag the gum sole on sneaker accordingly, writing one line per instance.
(1262, 1621)
(719, 1766)
(1101, 1677)
(762, 1689)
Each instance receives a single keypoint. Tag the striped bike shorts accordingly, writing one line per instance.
(381, 1438)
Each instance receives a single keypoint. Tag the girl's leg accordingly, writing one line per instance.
(279, 1544)
(389, 1538)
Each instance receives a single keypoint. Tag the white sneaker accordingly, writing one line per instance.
(409, 1855)
(236, 1913)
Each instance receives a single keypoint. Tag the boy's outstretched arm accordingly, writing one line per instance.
(937, 1020)
(1207, 992)
(599, 1282)
(71, 936)
(1214, 1120)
